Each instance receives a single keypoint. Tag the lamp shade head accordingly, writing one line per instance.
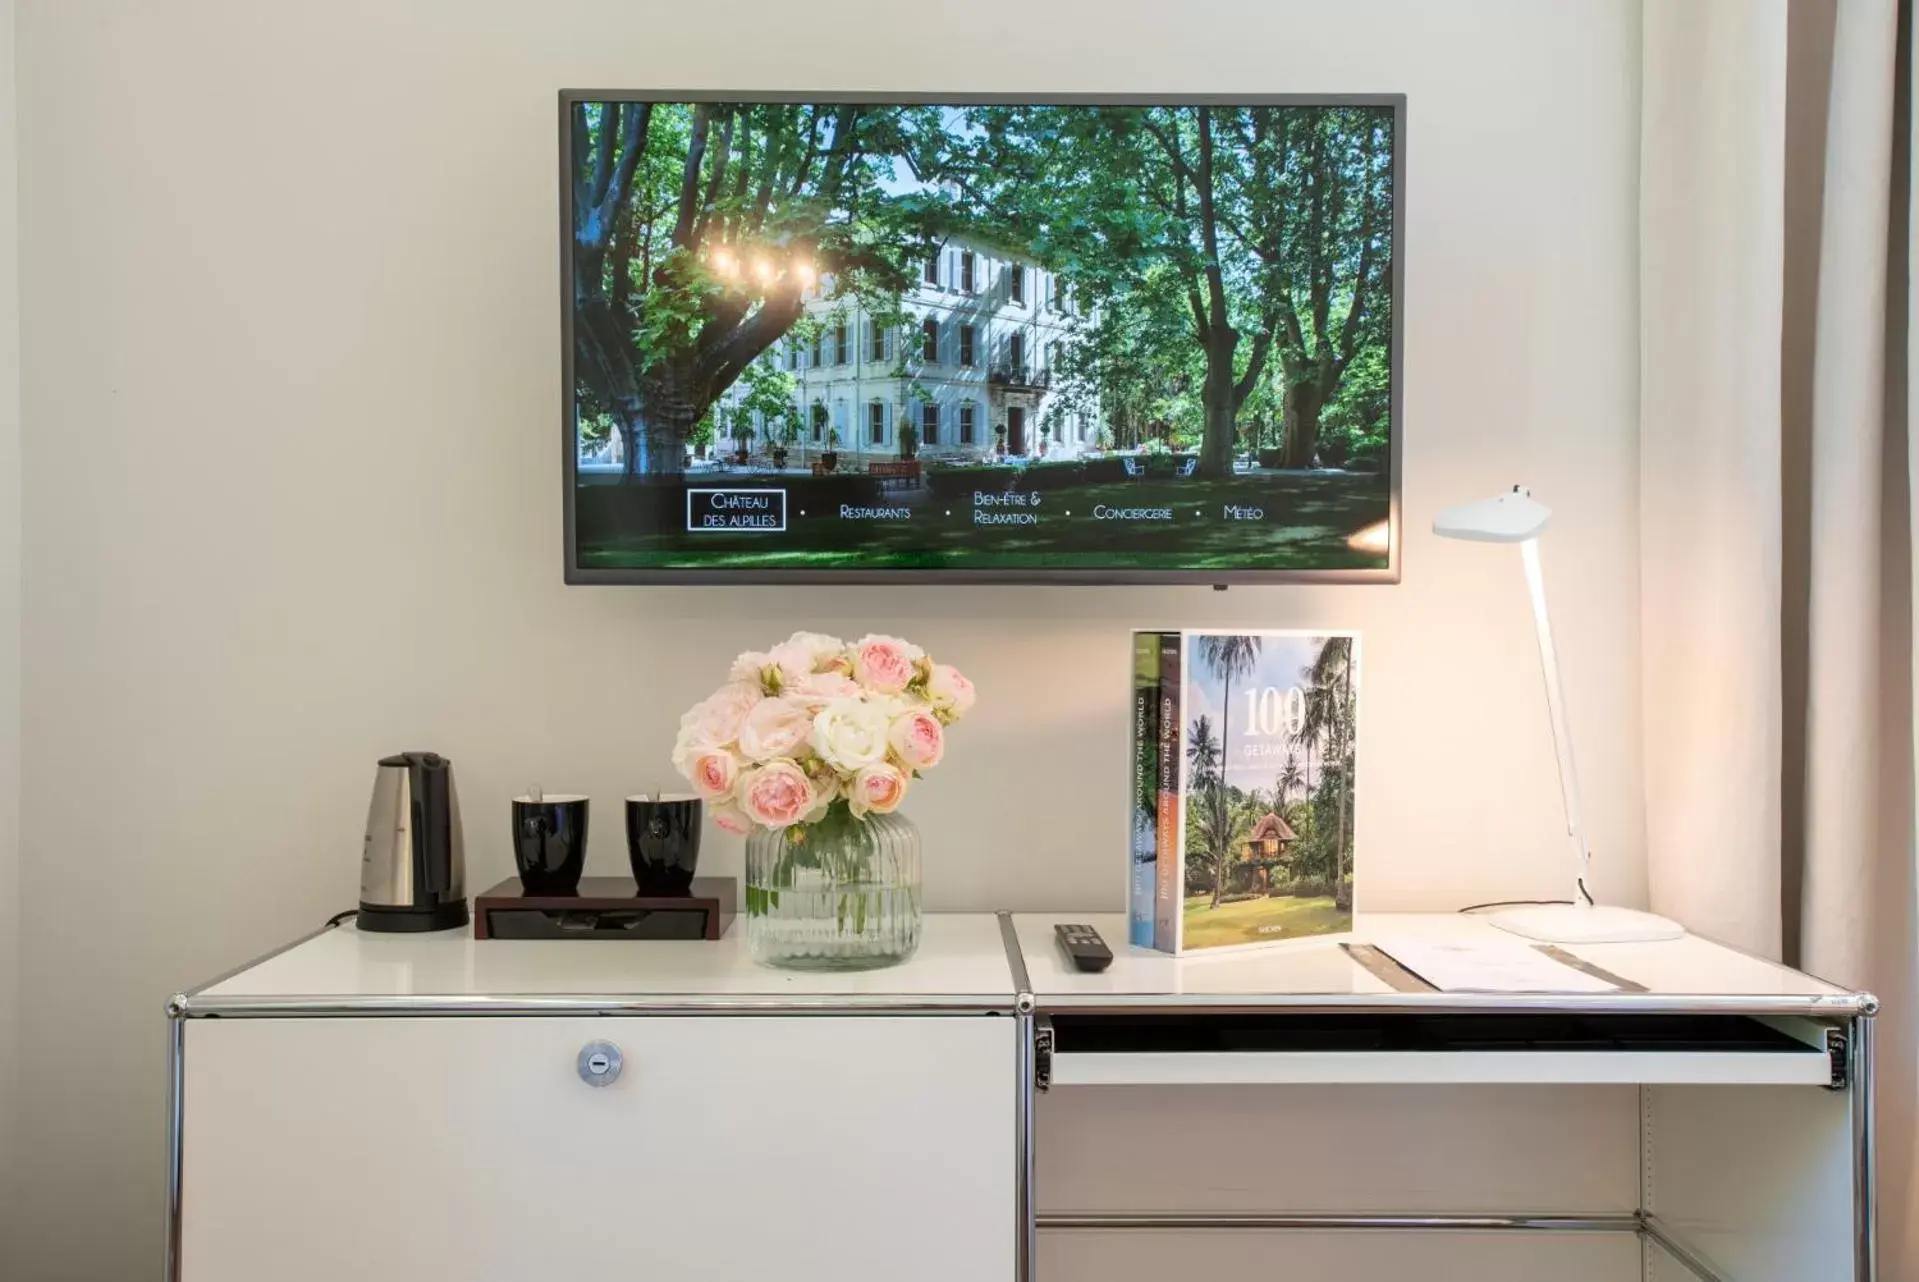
(1513, 517)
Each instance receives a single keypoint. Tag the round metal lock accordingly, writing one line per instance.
(599, 1063)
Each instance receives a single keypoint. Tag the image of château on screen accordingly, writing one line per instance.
(819, 335)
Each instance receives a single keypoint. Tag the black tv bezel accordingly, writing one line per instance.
(1112, 576)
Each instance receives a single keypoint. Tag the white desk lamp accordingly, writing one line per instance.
(1518, 518)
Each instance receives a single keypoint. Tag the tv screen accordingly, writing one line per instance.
(981, 339)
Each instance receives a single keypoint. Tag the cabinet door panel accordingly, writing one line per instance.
(804, 1148)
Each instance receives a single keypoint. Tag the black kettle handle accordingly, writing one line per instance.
(432, 820)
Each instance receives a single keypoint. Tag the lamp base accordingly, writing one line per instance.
(1585, 924)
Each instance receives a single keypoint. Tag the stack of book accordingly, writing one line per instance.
(1241, 799)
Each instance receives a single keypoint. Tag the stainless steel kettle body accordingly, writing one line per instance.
(413, 861)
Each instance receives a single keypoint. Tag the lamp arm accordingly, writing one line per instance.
(1562, 733)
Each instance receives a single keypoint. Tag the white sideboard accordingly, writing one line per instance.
(397, 1108)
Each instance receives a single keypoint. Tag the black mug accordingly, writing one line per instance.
(549, 843)
(663, 842)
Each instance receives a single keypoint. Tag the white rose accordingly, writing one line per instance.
(851, 735)
(774, 728)
(895, 706)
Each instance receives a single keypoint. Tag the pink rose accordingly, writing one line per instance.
(793, 663)
(876, 790)
(685, 748)
(823, 688)
(948, 690)
(803, 654)
(826, 786)
(713, 774)
(717, 722)
(918, 739)
(750, 667)
(884, 663)
(776, 795)
(775, 728)
(820, 648)
(732, 819)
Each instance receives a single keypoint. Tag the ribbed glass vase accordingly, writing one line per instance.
(841, 894)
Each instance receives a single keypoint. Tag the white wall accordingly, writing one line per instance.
(290, 304)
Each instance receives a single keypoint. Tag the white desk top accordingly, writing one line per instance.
(961, 963)
(1688, 974)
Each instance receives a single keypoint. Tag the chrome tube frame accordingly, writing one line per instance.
(1175, 1221)
(1648, 1226)
(182, 1000)
(340, 1007)
(1015, 959)
(1655, 1230)
(1025, 1099)
(176, 1122)
(179, 1007)
(1025, 1192)
(1865, 1189)
(1811, 1006)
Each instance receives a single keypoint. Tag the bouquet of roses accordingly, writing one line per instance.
(816, 724)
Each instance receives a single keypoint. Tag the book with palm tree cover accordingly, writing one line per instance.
(1143, 801)
(1166, 881)
(1266, 743)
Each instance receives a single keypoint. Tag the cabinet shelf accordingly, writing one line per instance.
(1196, 1049)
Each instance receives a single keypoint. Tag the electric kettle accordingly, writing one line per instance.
(413, 864)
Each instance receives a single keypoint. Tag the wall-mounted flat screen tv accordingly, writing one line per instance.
(822, 338)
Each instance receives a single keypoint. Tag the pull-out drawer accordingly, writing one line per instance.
(1142, 1049)
(499, 1149)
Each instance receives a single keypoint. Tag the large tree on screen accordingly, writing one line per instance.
(1130, 363)
(1275, 222)
(1324, 245)
(1116, 191)
(698, 228)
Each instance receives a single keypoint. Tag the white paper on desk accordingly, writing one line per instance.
(1489, 966)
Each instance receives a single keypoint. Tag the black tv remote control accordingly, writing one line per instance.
(1083, 947)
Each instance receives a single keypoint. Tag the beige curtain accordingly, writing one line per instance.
(1777, 530)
